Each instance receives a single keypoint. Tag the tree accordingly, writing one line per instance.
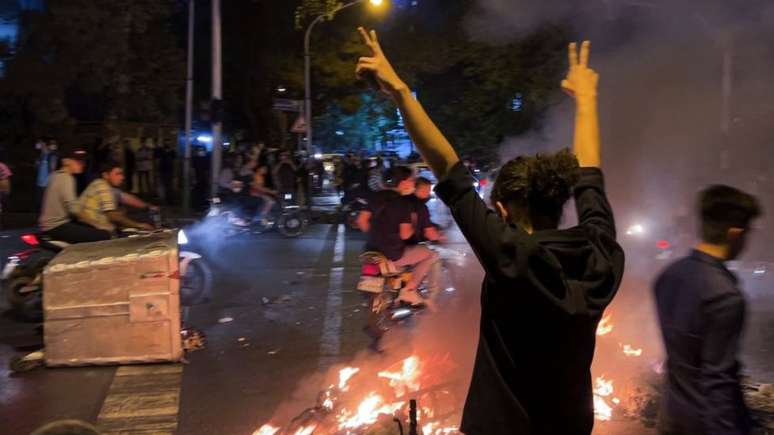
(478, 93)
(84, 61)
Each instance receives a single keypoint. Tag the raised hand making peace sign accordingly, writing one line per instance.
(378, 66)
(581, 80)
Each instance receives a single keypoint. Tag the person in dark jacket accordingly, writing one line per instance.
(702, 311)
(545, 289)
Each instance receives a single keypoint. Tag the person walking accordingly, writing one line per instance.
(701, 311)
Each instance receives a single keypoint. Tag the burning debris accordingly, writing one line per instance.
(380, 402)
(605, 327)
(618, 396)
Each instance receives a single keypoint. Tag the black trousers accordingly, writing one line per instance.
(76, 232)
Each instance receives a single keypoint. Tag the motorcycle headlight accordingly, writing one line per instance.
(182, 239)
(288, 196)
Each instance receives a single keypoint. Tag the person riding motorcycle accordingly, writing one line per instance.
(388, 223)
(264, 197)
(101, 200)
(62, 216)
(426, 229)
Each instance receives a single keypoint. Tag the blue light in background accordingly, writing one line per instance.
(518, 103)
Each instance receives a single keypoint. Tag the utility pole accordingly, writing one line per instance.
(188, 109)
(217, 96)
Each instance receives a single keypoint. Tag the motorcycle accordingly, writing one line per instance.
(350, 212)
(287, 217)
(380, 282)
(22, 275)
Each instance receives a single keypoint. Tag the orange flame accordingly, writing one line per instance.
(344, 375)
(605, 327)
(602, 388)
(368, 412)
(266, 430)
(407, 380)
(434, 429)
(628, 350)
(307, 430)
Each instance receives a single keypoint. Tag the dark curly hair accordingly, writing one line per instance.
(537, 187)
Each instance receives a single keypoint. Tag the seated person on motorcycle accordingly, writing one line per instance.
(387, 221)
(285, 174)
(259, 190)
(61, 216)
(425, 229)
(102, 199)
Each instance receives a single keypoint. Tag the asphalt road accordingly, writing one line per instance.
(285, 313)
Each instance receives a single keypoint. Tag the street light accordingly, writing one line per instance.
(307, 65)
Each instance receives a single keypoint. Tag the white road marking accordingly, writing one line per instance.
(338, 247)
(330, 343)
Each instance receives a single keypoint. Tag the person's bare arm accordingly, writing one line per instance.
(432, 234)
(431, 143)
(406, 231)
(122, 221)
(581, 83)
(133, 201)
(364, 221)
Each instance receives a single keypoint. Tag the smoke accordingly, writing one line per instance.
(685, 94)
(686, 100)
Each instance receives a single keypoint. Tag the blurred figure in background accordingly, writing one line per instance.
(285, 175)
(145, 167)
(165, 171)
(702, 310)
(5, 186)
(265, 194)
(201, 166)
(48, 162)
(130, 165)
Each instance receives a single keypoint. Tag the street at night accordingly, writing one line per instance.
(285, 316)
(386, 217)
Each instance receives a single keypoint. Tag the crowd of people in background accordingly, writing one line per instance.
(152, 170)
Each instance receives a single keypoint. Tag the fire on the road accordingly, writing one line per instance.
(365, 398)
(605, 327)
(390, 399)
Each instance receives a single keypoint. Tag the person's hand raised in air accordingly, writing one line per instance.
(581, 81)
(377, 66)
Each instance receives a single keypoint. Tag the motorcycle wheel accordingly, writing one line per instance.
(378, 316)
(196, 285)
(292, 224)
(20, 364)
(13, 286)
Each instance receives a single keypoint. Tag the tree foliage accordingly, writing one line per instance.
(85, 61)
(469, 87)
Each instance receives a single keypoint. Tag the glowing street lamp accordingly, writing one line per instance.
(307, 64)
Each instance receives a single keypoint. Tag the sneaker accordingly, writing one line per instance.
(411, 297)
